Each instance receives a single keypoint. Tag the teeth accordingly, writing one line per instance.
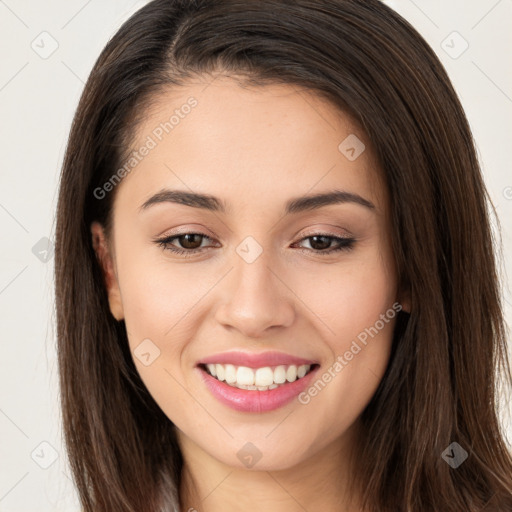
(212, 369)
(245, 376)
(280, 375)
(291, 373)
(260, 379)
(219, 369)
(230, 374)
(263, 376)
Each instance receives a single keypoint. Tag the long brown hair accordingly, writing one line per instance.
(441, 385)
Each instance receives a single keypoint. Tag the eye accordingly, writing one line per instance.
(321, 243)
(191, 243)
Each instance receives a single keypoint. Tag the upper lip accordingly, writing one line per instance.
(252, 360)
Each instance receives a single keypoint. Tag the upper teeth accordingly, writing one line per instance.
(266, 376)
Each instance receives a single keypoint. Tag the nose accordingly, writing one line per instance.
(256, 299)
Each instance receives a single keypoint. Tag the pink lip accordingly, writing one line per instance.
(254, 400)
(255, 360)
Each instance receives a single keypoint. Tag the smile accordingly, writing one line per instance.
(256, 390)
(257, 379)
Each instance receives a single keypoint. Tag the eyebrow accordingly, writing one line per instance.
(294, 205)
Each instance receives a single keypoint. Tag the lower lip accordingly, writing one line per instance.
(253, 400)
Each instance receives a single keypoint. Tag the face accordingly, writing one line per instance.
(252, 276)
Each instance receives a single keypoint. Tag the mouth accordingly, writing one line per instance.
(257, 379)
(256, 390)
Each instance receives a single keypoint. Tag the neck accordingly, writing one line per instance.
(320, 482)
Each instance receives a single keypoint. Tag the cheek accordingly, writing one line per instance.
(351, 297)
(356, 302)
(163, 303)
(158, 303)
(158, 297)
(359, 305)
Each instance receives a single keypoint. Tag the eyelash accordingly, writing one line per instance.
(346, 244)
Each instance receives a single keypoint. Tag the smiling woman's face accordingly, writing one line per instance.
(254, 279)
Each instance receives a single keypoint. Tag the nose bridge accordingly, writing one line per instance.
(257, 298)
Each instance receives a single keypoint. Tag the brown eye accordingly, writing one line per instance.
(321, 243)
(190, 240)
(187, 244)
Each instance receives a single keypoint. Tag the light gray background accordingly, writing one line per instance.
(38, 97)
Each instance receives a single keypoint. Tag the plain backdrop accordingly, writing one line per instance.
(47, 51)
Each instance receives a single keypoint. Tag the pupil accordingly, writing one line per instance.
(325, 245)
(188, 242)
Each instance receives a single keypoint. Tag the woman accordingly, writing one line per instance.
(275, 278)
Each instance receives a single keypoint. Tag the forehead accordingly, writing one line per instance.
(249, 143)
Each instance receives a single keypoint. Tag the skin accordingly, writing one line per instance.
(255, 148)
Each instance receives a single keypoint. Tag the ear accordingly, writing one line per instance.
(105, 259)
